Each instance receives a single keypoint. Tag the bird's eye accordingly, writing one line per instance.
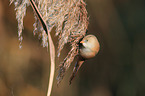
(87, 40)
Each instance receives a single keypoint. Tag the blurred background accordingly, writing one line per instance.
(117, 70)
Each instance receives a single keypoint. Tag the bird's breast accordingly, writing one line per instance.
(87, 53)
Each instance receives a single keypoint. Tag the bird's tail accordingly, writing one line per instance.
(75, 70)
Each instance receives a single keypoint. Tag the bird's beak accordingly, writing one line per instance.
(82, 42)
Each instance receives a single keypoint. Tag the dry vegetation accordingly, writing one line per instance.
(118, 69)
(68, 17)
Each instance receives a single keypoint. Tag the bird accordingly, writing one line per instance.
(88, 48)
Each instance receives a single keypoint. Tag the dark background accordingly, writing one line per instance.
(117, 70)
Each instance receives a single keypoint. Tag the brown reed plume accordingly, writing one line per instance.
(69, 17)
